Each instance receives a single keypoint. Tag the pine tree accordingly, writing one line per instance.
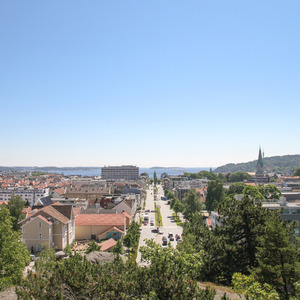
(278, 256)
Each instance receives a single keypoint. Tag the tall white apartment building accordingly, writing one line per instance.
(120, 172)
(30, 195)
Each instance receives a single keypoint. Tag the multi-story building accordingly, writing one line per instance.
(53, 225)
(120, 172)
(30, 195)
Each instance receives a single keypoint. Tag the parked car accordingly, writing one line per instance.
(164, 241)
(170, 234)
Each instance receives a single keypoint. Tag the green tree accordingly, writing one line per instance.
(236, 188)
(93, 246)
(253, 289)
(215, 194)
(13, 253)
(15, 206)
(238, 177)
(155, 178)
(253, 192)
(191, 204)
(175, 270)
(269, 191)
(242, 223)
(178, 207)
(118, 250)
(297, 171)
(278, 256)
(132, 236)
(221, 177)
(46, 262)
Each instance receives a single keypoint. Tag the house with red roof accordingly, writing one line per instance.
(100, 226)
(53, 225)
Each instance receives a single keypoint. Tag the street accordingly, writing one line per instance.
(169, 225)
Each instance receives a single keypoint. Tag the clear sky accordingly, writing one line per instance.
(149, 83)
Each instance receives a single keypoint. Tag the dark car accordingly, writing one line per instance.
(164, 241)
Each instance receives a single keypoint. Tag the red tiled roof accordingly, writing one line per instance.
(51, 211)
(100, 219)
(107, 244)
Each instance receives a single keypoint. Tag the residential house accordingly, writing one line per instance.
(100, 226)
(53, 225)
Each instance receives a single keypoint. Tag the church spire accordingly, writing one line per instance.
(260, 164)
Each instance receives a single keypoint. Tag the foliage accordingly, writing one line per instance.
(277, 164)
(278, 257)
(177, 220)
(238, 177)
(158, 217)
(176, 270)
(77, 278)
(253, 289)
(68, 250)
(297, 172)
(253, 192)
(221, 177)
(155, 178)
(236, 188)
(202, 174)
(15, 206)
(191, 204)
(93, 246)
(131, 239)
(46, 261)
(13, 253)
(269, 191)
(215, 194)
(118, 250)
(242, 223)
(177, 206)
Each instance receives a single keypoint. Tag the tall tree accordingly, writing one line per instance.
(15, 206)
(13, 253)
(155, 178)
(215, 194)
(278, 256)
(118, 250)
(178, 206)
(242, 223)
(269, 191)
(297, 171)
(236, 188)
(192, 204)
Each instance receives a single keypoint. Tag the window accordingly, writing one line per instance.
(40, 224)
(40, 236)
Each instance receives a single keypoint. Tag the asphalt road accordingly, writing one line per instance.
(169, 224)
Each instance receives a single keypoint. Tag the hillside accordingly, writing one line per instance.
(285, 164)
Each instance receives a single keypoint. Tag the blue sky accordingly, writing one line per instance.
(170, 83)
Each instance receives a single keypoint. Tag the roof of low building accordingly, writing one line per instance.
(106, 245)
(100, 219)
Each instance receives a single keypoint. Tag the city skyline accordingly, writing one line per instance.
(195, 84)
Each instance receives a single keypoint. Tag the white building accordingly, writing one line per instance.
(30, 195)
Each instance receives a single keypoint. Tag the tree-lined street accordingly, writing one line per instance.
(149, 231)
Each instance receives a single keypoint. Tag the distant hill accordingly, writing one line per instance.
(285, 164)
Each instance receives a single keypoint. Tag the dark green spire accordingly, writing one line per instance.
(260, 164)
